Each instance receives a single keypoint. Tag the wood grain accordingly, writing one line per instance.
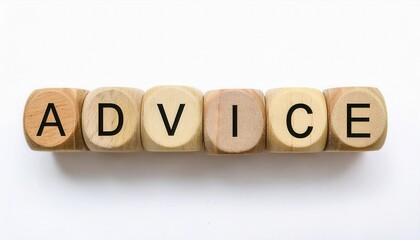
(306, 128)
(66, 136)
(162, 131)
(368, 130)
(232, 121)
(220, 134)
(128, 139)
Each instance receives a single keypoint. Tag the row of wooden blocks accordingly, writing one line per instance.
(227, 121)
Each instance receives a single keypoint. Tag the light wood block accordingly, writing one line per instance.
(357, 119)
(234, 121)
(296, 120)
(172, 119)
(51, 119)
(111, 119)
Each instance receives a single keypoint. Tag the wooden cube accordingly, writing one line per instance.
(51, 119)
(296, 120)
(172, 119)
(234, 121)
(111, 119)
(357, 119)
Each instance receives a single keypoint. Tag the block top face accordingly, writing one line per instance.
(366, 106)
(120, 113)
(58, 105)
(172, 119)
(218, 121)
(296, 120)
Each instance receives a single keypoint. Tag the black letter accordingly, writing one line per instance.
(57, 122)
(351, 119)
(169, 129)
(234, 120)
(289, 121)
(101, 107)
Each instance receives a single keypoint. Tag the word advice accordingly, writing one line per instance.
(226, 121)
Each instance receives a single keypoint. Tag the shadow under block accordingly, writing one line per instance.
(357, 119)
(51, 119)
(234, 121)
(172, 119)
(296, 120)
(111, 119)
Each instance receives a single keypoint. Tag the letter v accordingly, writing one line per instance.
(169, 129)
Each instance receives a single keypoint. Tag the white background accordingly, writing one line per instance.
(209, 45)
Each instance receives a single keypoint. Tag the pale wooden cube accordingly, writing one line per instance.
(357, 119)
(296, 120)
(111, 119)
(234, 121)
(172, 119)
(52, 119)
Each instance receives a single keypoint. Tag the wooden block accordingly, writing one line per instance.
(51, 119)
(296, 120)
(111, 119)
(357, 119)
(234, 121)
(172, 119)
